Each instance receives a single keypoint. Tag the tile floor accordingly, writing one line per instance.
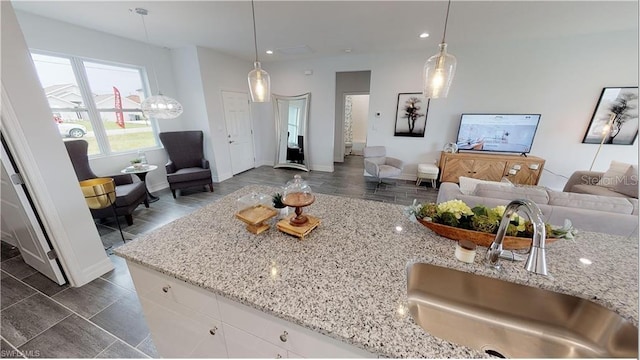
(103, 319)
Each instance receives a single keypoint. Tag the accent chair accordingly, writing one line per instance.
(129, 193)
(379, 165)
(187, 166)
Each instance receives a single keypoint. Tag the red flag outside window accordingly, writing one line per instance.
(118, 106)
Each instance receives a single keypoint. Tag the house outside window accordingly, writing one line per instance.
(98, 102)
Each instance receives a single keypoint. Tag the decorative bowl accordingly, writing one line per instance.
(480, 238)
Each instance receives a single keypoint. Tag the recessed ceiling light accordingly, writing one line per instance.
(424, 35)
(347, 50)
(269, 52)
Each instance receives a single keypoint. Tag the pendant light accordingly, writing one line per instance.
(439, 69)
(158, 106)
(259, 80)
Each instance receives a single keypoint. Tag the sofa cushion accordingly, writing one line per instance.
(536, 194)
(127, 194)
(468, 185)
(595, 190)
(613, 175)
(591, 202)
(628, 184)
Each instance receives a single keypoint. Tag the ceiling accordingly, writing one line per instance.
(327, 28)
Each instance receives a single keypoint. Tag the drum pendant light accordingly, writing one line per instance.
(439, 69)
(158, 106)
(259, 80)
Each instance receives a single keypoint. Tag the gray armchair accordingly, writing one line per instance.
(129, 194)
(378, 164)
(187, 166)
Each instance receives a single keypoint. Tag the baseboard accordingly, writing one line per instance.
(158, 187)
(325, 168)
(409, 177)
(264, 163)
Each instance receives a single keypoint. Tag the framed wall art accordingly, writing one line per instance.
(615, 119)
(411, 115)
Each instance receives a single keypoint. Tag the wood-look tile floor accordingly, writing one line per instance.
(103, 319)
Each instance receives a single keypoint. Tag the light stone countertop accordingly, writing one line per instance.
(347, 278)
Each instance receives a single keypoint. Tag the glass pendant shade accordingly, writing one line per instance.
(438, 74)
(259, 84)
(161, 107)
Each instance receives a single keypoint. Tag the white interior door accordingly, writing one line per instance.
(22, 223)
(237, 115)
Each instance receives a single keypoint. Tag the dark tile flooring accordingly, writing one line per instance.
(103, 319)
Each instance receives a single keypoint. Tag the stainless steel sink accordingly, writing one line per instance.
(512, 320)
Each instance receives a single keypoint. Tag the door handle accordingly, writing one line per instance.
(230, 142)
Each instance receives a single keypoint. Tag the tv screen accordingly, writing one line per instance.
(497, 132)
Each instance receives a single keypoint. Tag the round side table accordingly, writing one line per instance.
(141, 173)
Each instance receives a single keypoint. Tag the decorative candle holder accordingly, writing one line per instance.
(298, 194)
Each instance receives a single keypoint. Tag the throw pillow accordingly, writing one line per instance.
(468, 185)
(628, 184)
(613, 175)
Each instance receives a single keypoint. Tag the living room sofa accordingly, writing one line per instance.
(597, 213)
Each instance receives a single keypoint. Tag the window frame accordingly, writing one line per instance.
(93, 112)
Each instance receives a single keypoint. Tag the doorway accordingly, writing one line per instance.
(237, 116)
(347, 83)
(356, 115)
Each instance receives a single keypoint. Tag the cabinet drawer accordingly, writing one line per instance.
(241, 344)
(166, 290)
(284, 334)
(179, 332)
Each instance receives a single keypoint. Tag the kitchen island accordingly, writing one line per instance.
(346, 280)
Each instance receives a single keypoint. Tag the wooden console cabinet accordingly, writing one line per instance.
(518, 169)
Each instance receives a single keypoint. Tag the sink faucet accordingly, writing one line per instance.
(536, 261)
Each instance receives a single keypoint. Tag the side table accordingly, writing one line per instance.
(141, 173)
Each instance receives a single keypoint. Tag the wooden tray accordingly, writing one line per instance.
(298, 231)
(255, 217)
(480, 238)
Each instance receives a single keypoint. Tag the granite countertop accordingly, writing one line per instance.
(347, 278)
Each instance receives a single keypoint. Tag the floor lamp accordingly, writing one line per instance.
(605, 130)
(100, 193)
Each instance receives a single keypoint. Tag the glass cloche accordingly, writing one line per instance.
(298, 194)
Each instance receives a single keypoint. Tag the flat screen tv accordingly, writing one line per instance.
(497, 132)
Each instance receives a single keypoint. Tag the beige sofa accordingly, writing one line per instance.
(605, 214)
(595, 183)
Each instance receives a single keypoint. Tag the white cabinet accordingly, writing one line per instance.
(179, 332)
(241, 344)
(187, 321)
(300, 341)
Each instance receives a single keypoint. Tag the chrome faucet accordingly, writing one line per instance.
(536, 261)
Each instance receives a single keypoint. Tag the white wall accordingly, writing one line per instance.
(221, 72)
(54, 36)
(560, 78)
(43, 160)
(186, 67)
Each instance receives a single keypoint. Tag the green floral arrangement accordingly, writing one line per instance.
(457, 214)
(277, 201)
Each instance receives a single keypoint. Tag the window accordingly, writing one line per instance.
(98, 102)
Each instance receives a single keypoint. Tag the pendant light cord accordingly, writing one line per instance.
(255, 37)
(446, 20)
(142, 13)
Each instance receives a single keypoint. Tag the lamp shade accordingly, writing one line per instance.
(99, 193)
(161, 107)
(259, 84)
(438, 74)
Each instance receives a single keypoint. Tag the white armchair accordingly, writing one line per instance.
(378, 164)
